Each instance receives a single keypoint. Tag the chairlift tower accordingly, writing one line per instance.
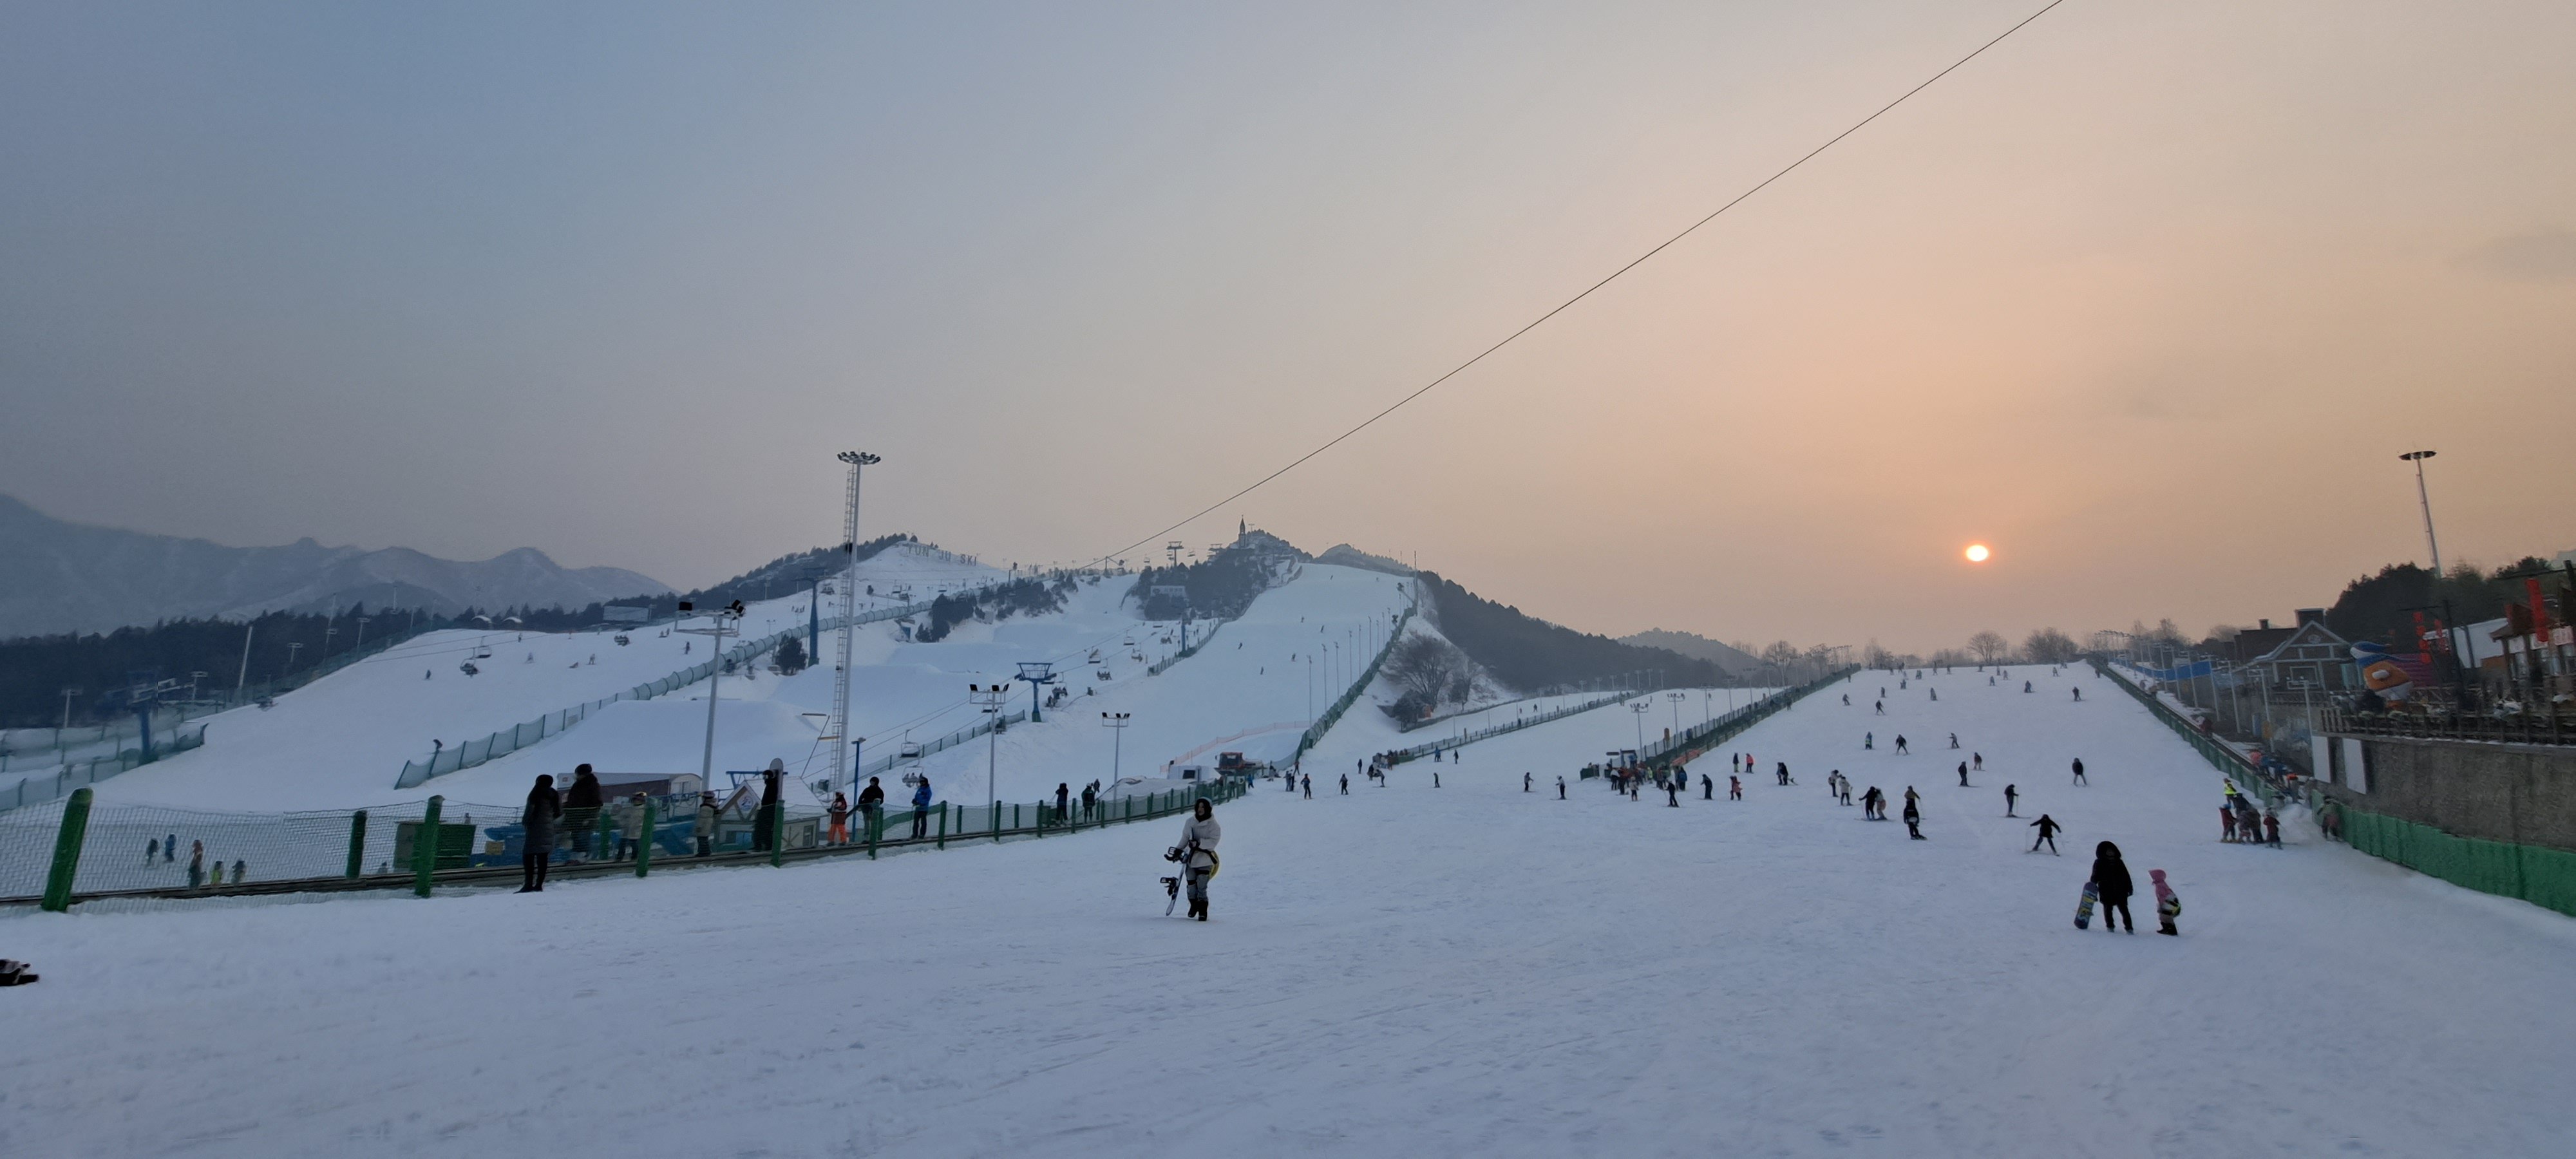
(722, 622)
(843, 775)
(1038, 673)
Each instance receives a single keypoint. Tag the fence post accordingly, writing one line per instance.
(943, 825)
(778, 836)
(876, 825)
(67, 851)
(601, 842)
(357, 842)
(995, 820)
(424, 849)
(644, 846)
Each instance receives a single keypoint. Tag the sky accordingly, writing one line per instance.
(2149, 296)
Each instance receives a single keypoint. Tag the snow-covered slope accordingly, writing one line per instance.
(341, 741)
(1462, 970)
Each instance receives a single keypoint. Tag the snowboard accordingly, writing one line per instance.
(2084, 907)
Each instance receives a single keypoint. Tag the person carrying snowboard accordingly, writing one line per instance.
(2168, 905)
(2048, 828)
(2111, 880)
(1197, 853)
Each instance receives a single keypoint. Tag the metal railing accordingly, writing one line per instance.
(38, 788)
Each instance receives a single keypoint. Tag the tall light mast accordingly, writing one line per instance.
(839, 727)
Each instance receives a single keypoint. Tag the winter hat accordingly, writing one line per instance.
(2106, 849)
(581, 770)
(2156, 875)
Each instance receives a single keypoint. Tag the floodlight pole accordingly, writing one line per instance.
(842, 773)
(1641, 708)
(2426, 498)
(1116, 723)
(716, 632)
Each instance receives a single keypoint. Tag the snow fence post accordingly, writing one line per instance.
(424, 849)
(943, 825)
(357, 843)
(778, 837)
(600, 843)
(644, 847)
(67, 851)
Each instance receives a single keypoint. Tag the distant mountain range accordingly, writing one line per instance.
(1735, 661)
(58, 577)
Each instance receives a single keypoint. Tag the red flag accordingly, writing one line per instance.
(2539, 610)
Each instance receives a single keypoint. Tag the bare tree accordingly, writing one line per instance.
(1988, 647)
(2050, 646)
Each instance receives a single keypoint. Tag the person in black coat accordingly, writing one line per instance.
(536, 852)
(764, 828)
(2111, 881)
(581, 805)
(2048, 828)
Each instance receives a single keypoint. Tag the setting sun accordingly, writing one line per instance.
(1977, 553)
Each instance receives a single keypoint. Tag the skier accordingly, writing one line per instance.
(1307, 780)
(2168, 905)
(2111, 880)
(1197, 853)
(1963, 774)
(196, 864)
(536, 851)
(1525, 782)
(1913, 816)
(1783, 771)
(1435, 778)
(1900, 743)
(1879, 707)
(1873, 805)
(1673, 793)
(1847, 700)
(707, 814)
(1346, 784)
(1560, 788)
(1869, 740)
(1734, 788)
(2079, 772)
(1936, 694)
(2025, 686)
(2048, 828)
(1707, 788)
(1954, 740)
(2079, 697)
(2010, 794)
(1977, 761)
(1846, 789)
(2227, 824)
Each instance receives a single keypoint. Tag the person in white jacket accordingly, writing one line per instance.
(1198, 853)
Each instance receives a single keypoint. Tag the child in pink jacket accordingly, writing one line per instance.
(2168, 906)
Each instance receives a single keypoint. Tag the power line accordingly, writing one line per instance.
(1569, 302)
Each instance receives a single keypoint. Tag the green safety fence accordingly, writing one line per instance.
(73, 850)
(1314, 733)
(2220, 756)
(2543, 877)
(1688, 744)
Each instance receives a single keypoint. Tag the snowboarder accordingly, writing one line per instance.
(707, 814)
(2048, 828)
(2111, 879)
(169, 849)
(151, 851)
(2010, 795)
(1913, 816)
(2168, 904)
(14, 973)
(1197, 853)
(537, 849)
(2079, 777)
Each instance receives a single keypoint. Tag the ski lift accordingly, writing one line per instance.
(1103, 674)
(911, 751)
(621, 639)
(913, 780)
(468, 668)
(827, 589)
